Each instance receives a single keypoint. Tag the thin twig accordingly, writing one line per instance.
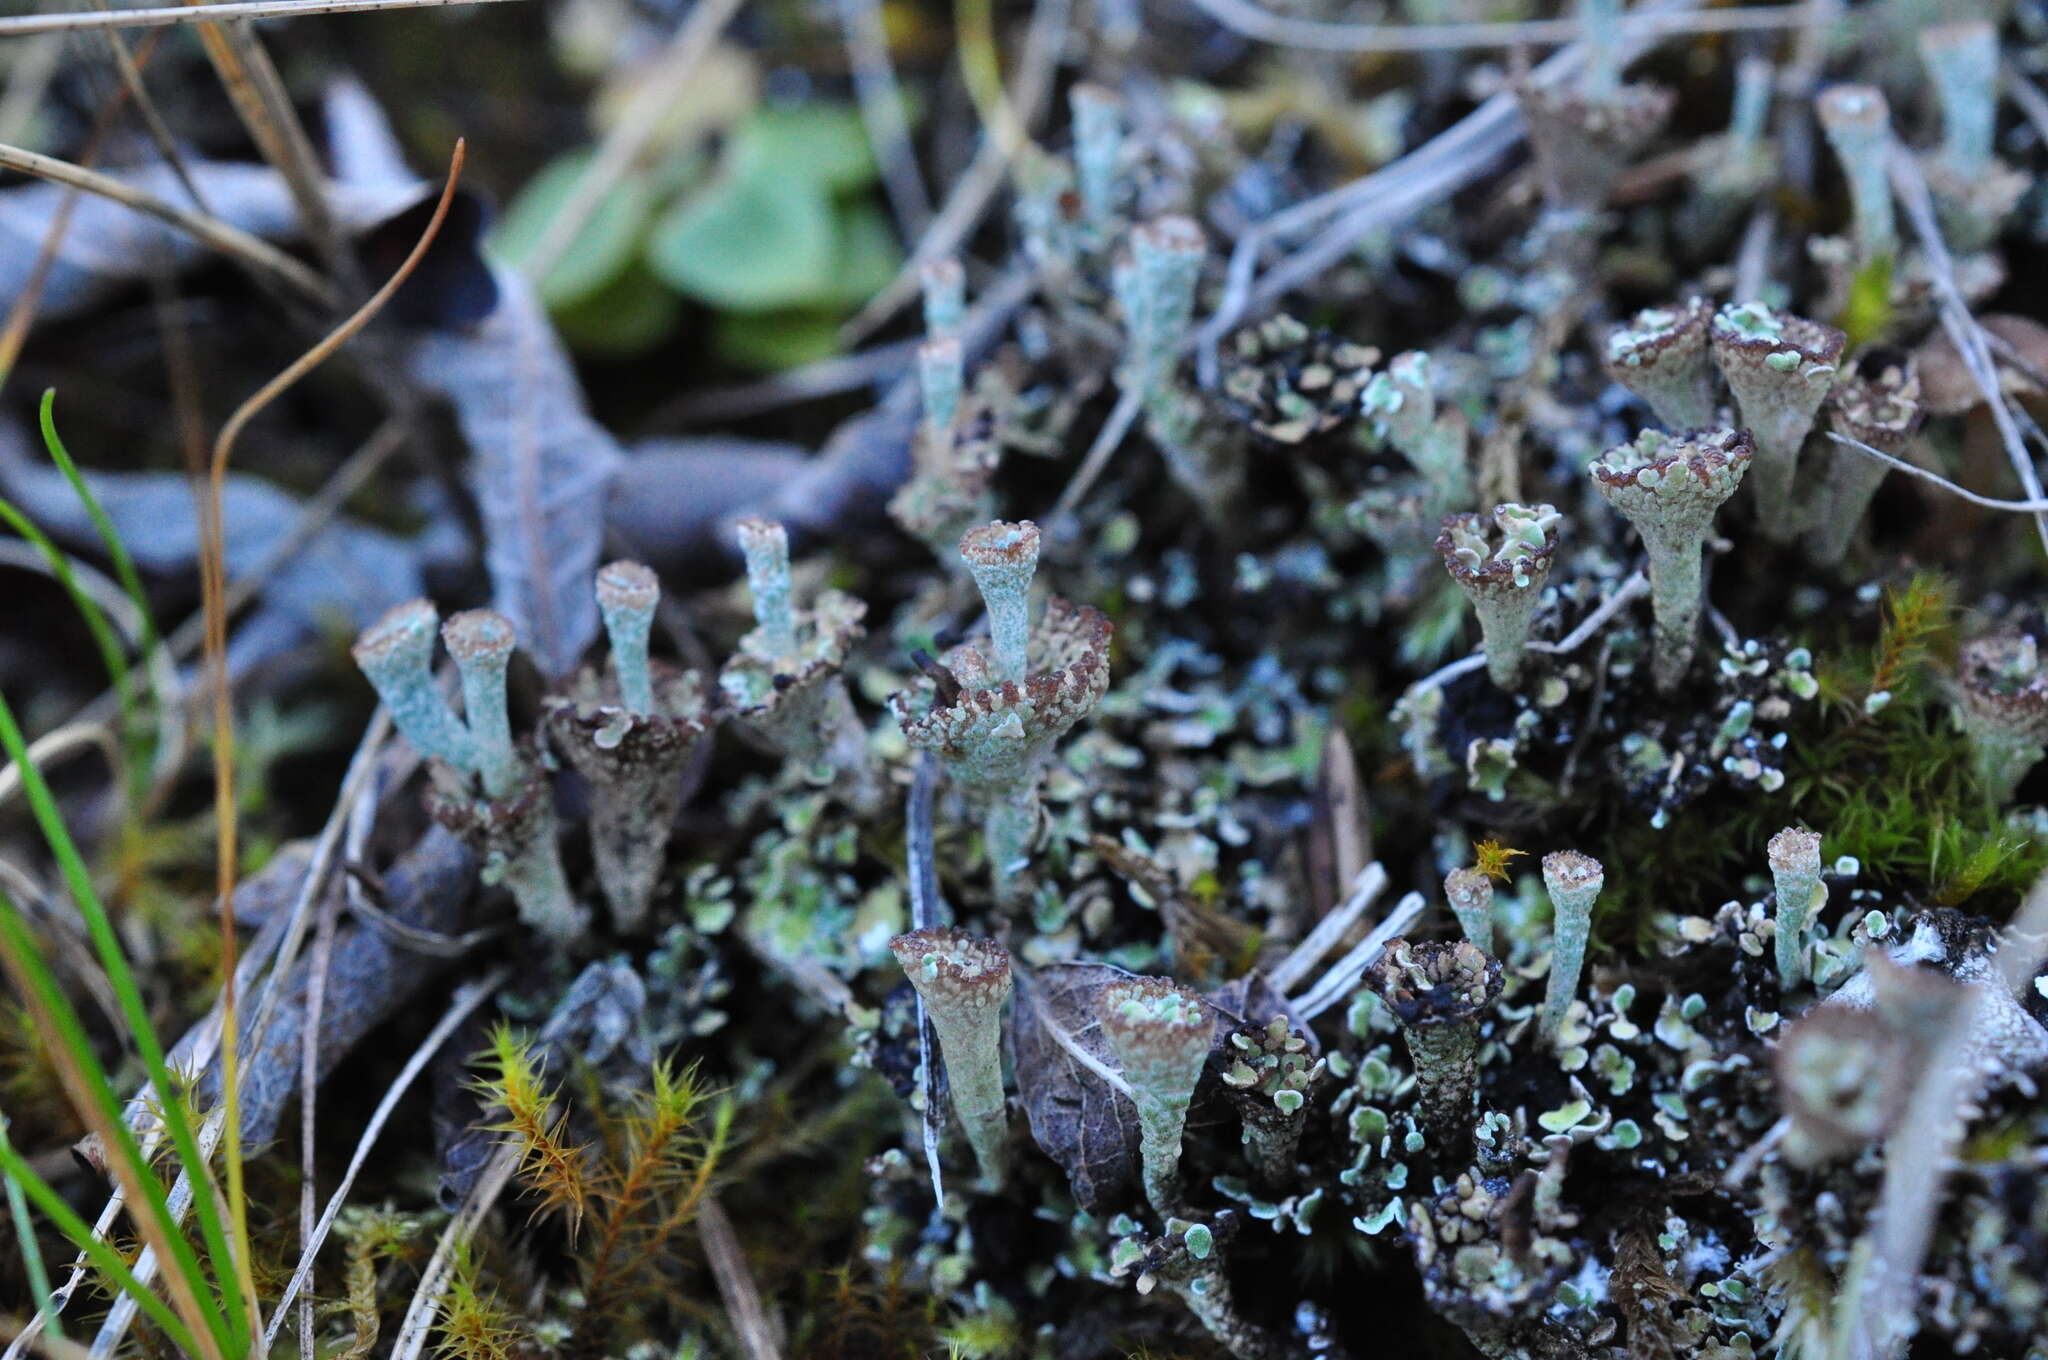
(1107, 440)
(1252, 21)
(213, 583)
(1332, 928)
(1344, 974)
(257, 92)
(19, 26)
(426, 1299)
(231, 241)
(281, 939)
(821, 378)
(1635, 585)
(651, 103)
(881, 111)
(927, 911)
(465, 1002)
(1963, 330)
(978, 183)
(2028, 507)
(2025, 93)
(1433, 171)
(743, 1306)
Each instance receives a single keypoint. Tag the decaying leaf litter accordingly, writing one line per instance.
(855, 724)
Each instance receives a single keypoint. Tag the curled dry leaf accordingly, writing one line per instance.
(1080, 1121)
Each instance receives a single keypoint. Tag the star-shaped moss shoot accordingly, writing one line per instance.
(785, 680)
(1858, 126)
(1573, 881)
(511, 817)
(992, 716)
(1440, 992)
(964, 981)
(1160, 1033)
(1839, 1075)
(629, 732)
(1974, 192)
(1270, 1074)
(1661, 356)
(1795, 873)
(1880, 407)
(1502, 568)
(1780, 368)
(1470, 893)
(1669, 487)
(2001, 703)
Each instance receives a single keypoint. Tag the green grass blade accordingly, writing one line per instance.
(108, 946)
(33, 976)
(25, 1233)
(112, 653)
(117, 550)
(21, 1177)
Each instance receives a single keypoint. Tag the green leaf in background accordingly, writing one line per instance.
(868, 255)
(771, 340)
(601, 251)
(750, 242)
(825, 144)
(629, 316)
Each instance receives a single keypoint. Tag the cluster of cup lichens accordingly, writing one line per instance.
(630, 731)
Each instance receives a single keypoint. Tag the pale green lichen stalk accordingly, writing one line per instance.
(482, 642)
(1661, 356)
(1858, 124)
(1440, 993)
(515, 819)
(993, 722)
(1669, 488)
(1470, 894)
(945, 296)
(1780, 368)
(1160, 1033)
(1156, 289)
(785, 680)
(765, 545)
(1974, 192)
(627, 593)
(1881, 409)
(1402, 404)
(1962, 60)
(396, 656)
(631, 740)
(964, 981)
(1003, 558)
(1098, 150)
(1502, 573)
(1795, 874)
(941, 378)
(1270, 1074)
(1573, 881)
(2001, 703)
